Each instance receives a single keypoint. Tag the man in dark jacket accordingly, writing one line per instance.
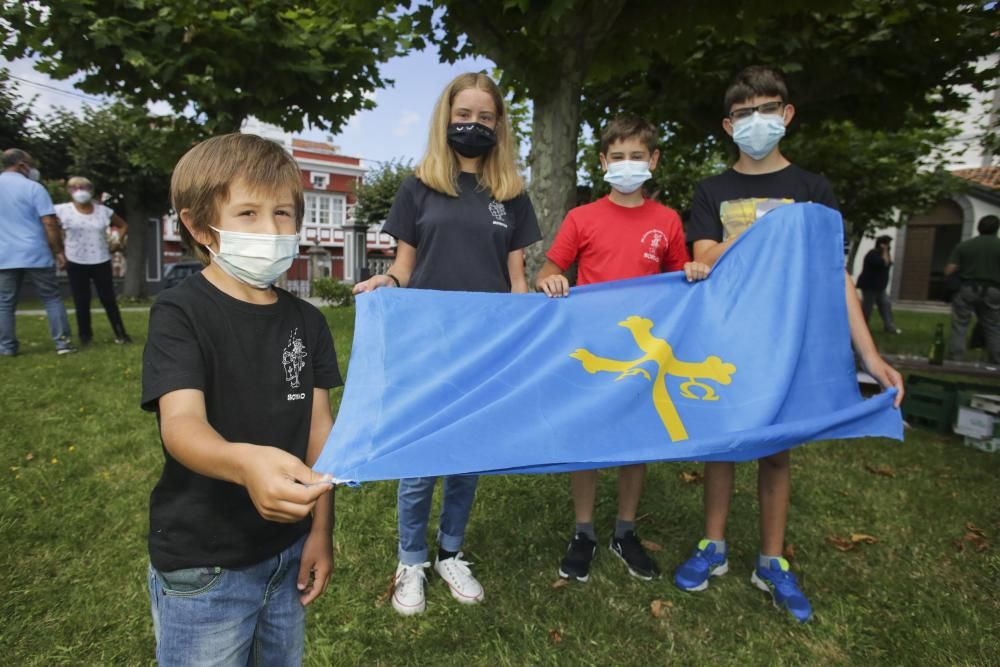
(873, 281)
(977, 263)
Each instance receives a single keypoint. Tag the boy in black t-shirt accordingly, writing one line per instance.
(757, 113)
(238, 372)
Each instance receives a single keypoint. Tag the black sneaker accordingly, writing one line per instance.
(576, 563)
(632, 553)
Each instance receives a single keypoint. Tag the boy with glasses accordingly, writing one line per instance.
(757, 113)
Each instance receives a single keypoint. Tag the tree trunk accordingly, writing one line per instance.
(553, 79)
(554, 130)
(135, 251)
(852, 253)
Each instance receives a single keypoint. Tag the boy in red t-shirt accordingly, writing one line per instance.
(622, 235)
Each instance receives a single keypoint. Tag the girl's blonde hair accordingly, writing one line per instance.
(497, 169)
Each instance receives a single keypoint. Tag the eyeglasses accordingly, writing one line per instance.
(768, 108)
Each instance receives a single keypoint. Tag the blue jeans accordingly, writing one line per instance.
(47, 287)
(413, 505)
(216, 616)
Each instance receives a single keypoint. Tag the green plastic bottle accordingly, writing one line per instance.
(936, 354)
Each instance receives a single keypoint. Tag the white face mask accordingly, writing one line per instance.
(758, 135)
(33, 175)
(255, 259)
(626, 176)
(82, 196)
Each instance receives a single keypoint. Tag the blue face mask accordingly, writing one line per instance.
(256, 259)
(758, 135)
(626, 176)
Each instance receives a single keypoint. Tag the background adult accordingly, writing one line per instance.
(977, 263)
(873, 281)
(85, 226)
(30, 246)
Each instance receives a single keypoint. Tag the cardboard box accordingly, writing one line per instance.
(989, 403)
(976, 424)
(991, 445)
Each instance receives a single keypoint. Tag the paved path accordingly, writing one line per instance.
(922, 306)
(97, 309)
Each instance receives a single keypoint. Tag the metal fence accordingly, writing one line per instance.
(303, 288)
(378, 265)
(300, 288)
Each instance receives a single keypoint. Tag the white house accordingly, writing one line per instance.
(922, 245)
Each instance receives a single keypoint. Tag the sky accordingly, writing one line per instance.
(395, 128)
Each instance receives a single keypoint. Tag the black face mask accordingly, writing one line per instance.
(471, 139)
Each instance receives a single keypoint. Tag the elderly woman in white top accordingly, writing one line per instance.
(85, 226)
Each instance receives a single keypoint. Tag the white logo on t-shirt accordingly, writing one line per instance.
(499, 213)
(293, 359)
(655, 238)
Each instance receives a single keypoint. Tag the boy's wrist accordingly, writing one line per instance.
(869, 356)
(240, 455)
(323, 515)
(321, 526)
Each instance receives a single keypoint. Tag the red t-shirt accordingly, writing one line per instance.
(612, 242)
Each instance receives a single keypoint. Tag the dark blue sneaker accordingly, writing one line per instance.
(576, 563)
(784, 589)
(631, 552)
(694, 574)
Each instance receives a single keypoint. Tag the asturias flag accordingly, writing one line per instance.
(754, 360)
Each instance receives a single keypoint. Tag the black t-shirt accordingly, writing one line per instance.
(875, 272)
(726, 204)
(462, 242)
(257, 366)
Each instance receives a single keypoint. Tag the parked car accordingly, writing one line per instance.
(176, 273)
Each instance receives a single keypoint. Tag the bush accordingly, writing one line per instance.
(333, 292)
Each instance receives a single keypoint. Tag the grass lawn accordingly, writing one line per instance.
(918, 334)
(80, 458)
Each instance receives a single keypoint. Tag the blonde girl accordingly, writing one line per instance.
(461, 223)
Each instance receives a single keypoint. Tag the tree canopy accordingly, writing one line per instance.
(283, 61)
(15, 114)
(869, 78)
(378, 190)
(876, 63)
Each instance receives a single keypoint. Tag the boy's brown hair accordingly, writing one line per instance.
(627, 126)
(755, 81)
(203, 177)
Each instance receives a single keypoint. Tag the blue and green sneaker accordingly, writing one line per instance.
(694, 574)
(784, 589)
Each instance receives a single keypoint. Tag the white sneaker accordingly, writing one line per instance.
(408, 589)
(457, 575)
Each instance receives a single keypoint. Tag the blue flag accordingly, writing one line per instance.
(754, 360)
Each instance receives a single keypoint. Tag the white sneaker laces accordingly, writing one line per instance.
(456, 563)
(411, 578)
